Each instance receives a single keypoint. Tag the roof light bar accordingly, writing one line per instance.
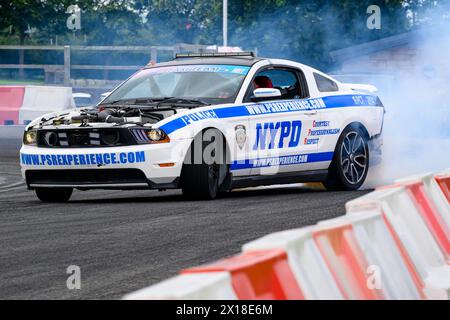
(214, 54)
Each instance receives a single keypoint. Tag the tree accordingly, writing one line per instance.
(307, 30)
(174, 21)
(426, 11)
(17, 16)
(298, 29)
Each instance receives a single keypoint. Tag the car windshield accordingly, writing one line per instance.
(209, 83)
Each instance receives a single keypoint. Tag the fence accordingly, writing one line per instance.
(65, 69)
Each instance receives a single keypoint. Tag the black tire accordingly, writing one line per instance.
(54, 195)
(350, 164)
(203, 180)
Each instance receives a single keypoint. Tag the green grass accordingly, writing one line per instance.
(20, 82)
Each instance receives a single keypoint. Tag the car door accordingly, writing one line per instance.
(330, 126)
(278, 129)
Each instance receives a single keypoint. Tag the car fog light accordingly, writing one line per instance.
(110, 137)
(51, 139)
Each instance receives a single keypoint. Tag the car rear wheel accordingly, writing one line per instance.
(350, 164)
(55, 195)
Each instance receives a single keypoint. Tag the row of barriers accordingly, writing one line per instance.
(393, 243)
(19, 105)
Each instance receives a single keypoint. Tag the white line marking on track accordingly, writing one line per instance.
(11, 186)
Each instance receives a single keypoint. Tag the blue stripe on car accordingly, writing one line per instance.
(283, 106)
(281, 161)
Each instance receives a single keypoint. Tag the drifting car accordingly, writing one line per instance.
(206, 124)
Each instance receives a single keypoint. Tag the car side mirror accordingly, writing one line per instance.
(261, 94)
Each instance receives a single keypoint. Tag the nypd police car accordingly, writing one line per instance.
(207, 124)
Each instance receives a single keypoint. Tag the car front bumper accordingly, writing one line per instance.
(155, 166)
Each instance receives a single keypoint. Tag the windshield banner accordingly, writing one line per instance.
(214, 68)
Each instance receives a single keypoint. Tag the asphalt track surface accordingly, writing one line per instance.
(124, 241)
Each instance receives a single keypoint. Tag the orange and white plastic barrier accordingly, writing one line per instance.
(262, 275)
(393, 243)
(407, 224)
(429, 186)
(374, 256)
(258, 275)
(444, 183)
(195, 286)
(309, 267)
(345, 259)
(397, 278)
(21, 104)
(386, 246)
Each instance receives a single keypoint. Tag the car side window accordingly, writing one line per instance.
(284, 80)
(324, 84)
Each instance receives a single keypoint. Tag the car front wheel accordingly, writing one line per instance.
(54, 195)
(204, 180)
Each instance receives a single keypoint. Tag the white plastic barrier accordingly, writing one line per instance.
(305, 261)
(389, 231)
(381, 250)
(433, 192)
(413, 233)
(40, 100)
(195, 286)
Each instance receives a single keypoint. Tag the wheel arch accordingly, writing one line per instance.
(224, 179)
(358, 125)
(226, 140)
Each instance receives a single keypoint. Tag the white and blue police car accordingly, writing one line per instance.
(209, 123)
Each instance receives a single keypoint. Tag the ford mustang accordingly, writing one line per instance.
(207, 124)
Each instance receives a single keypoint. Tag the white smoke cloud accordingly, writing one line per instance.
(417, 121)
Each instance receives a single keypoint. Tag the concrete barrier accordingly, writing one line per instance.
(19, 105)
(40, 100)
(11, 100)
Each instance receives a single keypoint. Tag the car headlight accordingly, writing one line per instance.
(29, 137)
(156, 135)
